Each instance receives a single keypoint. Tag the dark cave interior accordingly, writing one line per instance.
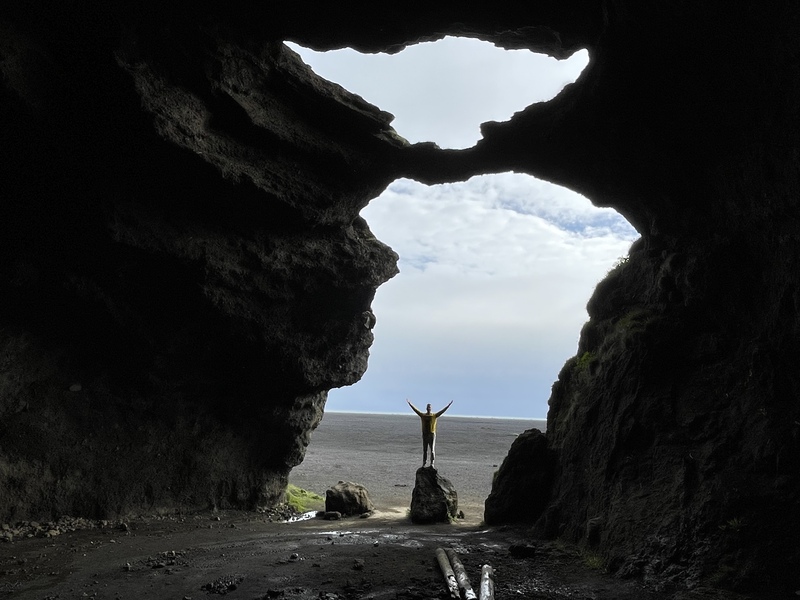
(180, 193)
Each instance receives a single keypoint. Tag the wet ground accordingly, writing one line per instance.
(243, 555)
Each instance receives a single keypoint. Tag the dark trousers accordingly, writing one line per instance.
(428, 440)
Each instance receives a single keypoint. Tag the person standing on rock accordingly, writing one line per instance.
(428, 419)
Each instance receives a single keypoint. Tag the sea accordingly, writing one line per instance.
(383, 451)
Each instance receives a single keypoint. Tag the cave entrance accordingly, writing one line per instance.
(495, 272)
(442, 91)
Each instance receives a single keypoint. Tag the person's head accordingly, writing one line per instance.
(428, 408)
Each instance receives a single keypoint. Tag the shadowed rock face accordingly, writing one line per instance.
(184, 271)
(185, 274)
(434, 499)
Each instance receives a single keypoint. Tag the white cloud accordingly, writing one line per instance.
(488, 298)
(496, 225)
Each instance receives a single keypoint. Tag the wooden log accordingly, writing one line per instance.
(447, 571)
(486, 588)
(461, 576)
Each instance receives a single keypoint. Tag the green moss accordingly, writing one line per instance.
(302, 500)
(635, 320)
(593, 560)
(585, 359)
(736, 524)
(722, 576)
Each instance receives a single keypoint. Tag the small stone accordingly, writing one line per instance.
(75, 387)
(358, 564)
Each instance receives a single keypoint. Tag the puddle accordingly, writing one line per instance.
(302, 517)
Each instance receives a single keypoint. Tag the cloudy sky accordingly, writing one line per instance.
(495, 272)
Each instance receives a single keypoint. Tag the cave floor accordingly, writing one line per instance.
(243, 555)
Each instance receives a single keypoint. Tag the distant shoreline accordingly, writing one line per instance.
(382, 451)
(454, 415)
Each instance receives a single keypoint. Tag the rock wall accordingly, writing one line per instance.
(673, 434)
(185, 274)
(184, 270)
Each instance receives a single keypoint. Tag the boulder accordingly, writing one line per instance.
(521, 486)
(434, 499)
(348, 498)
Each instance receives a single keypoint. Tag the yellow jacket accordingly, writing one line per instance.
(428, 419)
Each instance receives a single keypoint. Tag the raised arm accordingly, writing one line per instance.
(414, 408)
(441, 412)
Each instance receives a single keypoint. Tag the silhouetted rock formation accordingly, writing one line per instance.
(434, 499)
(181, 245)
(184, 273)
(521, 487)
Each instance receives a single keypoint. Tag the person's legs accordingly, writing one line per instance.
(433, 448)
(428, 440)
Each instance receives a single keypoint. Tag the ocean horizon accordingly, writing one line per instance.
(382, 452)
(411, 414)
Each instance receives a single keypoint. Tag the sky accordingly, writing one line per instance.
(495, 272)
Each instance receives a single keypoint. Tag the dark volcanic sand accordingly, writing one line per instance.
(245, 556)
(242, 556)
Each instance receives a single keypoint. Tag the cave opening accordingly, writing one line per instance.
(495, 271)
(443, 91)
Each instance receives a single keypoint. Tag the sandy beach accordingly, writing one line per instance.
(382, 452)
